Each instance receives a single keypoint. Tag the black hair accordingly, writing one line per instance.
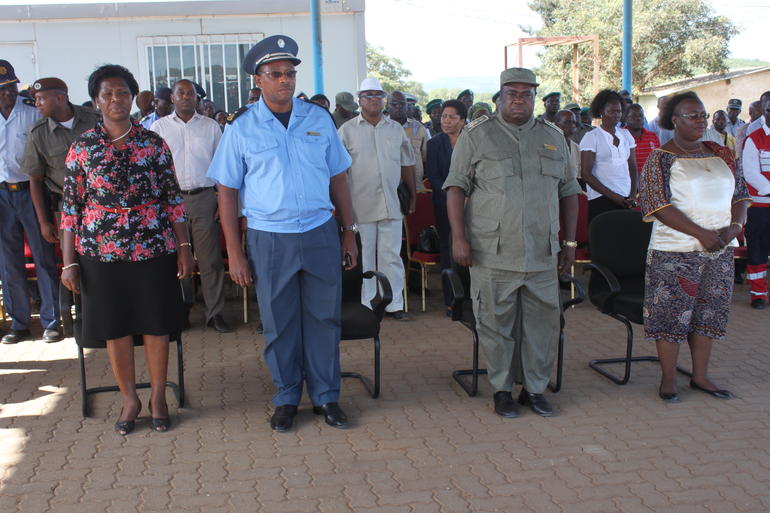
(635, 106)
(177, 82)
(106, 71)
(320, 96)
(458, 106)
(602, 98)
(665, 120)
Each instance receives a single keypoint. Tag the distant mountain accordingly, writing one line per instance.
(475, 84)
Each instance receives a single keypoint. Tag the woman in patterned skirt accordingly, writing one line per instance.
(123, 216)
(697, 200)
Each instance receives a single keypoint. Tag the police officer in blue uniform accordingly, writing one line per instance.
(17, 219)
(283, 157)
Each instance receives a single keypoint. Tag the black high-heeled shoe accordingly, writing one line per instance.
(669, 397)
(159, 424)
(124, 427)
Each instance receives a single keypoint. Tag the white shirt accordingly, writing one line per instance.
(378, 154)
(192, 146)
(13, 138)
(752, 169)
(611, 164)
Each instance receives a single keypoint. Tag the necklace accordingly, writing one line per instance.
(129, 129)
(685, 151)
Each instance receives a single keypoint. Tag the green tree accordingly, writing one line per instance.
(671, 39)
(392, 73)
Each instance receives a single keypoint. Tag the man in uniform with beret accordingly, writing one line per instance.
(47, 146)
(345, 109)
(552, 104)
(433, 109)
(516, 174)
(466, 97)
(283, 156)
(17, 219)
(734, 106)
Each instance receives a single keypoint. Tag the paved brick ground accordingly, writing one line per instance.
(424, 446)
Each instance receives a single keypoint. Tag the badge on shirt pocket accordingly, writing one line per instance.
(315, 134)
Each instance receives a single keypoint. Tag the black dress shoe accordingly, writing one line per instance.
(505, 406)
(333, 415)
(218, 323)
(536, 402)
(758, 304)
(51, 335)
(14, 336)
(719, 394)
(669, 397)
(283, 418)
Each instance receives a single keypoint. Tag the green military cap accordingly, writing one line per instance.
(433, 104)
(572, 106)
(520, 75)
(585, 109)
(555, 93)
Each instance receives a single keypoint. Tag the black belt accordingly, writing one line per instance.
(193, 192)
(18, 186)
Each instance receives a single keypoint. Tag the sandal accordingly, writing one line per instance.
(124, 427)
(159, 424)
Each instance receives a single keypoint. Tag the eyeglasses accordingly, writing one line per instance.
(372, 96)
(693, 117)
(276, 75)
(513, 95)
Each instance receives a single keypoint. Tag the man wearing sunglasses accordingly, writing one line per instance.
(282, 156)
(382, 157)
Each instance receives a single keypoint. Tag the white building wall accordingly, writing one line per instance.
(71, 48)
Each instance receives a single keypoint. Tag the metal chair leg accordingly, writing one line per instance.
(473, 388)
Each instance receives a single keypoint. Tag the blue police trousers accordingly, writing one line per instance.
(299, 287)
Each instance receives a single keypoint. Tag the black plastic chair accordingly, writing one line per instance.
(360, 322)
(462, 312)
(618, 241)
(73, 326)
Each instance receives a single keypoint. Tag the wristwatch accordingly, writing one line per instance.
(352, 228)
(570, 244)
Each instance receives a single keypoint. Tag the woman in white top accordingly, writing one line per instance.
(607, 160)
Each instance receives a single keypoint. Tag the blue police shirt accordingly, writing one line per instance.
(13, 138)
(283, 174)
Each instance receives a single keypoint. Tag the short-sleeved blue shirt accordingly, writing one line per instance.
(283, 174)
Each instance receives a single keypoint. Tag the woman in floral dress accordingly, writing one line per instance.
(125, 245)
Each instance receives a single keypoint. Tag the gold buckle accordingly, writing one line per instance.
(14, 187)
(125, 210)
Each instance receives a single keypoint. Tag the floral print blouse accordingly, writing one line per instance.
(139, 175)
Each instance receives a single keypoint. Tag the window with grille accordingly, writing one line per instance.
(213, 61)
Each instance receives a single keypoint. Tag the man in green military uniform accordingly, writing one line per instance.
(47, 147)
(516, 174)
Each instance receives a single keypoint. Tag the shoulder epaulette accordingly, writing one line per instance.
(232, 117)
(37, 124)
(552, 125)
(478, 121)
(28, 101)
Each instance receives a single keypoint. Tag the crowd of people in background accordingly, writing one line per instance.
(119, 200)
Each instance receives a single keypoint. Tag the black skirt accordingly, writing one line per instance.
(130, 298)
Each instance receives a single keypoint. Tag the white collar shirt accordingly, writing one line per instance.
(13, 138)
(611, 162)
(378, 154)
(192, 146)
